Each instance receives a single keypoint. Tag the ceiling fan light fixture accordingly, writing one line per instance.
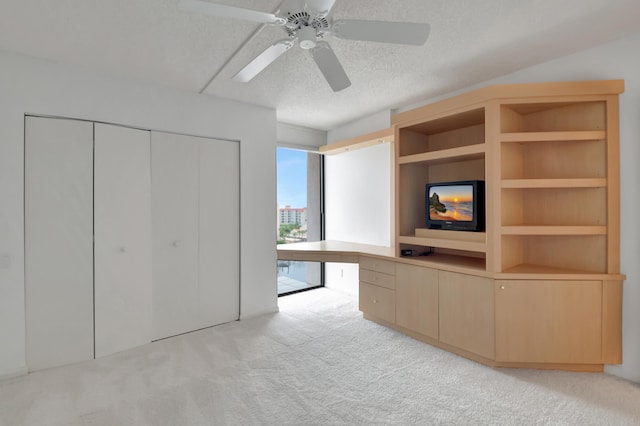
(307, 37)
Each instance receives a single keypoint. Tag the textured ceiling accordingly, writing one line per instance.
(471, 41)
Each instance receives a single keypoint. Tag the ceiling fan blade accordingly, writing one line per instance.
(330, 67)
(263, 60)
(382, 31)
(225, 11)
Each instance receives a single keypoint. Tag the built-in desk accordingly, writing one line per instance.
(548, 321)
(330, 251)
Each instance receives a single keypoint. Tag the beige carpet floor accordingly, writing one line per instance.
(317, 362)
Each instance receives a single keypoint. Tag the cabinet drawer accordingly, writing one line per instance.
(378, 302)
(377, 278)
(378, 265)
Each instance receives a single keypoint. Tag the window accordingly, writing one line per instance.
(299, 192)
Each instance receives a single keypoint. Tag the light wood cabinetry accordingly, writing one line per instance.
(540, 287)
(548, 321)
(377, 288)
(467, 313)
(417, 299)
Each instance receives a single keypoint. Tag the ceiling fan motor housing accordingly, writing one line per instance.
(307, 37)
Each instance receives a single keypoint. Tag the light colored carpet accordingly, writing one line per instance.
(317, 362)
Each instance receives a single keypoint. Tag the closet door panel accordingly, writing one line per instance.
(219, 232)
(122, 217)
(58, 241)
(174, 197)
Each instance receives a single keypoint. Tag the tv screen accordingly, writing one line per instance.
(451, 202)
(455, 205)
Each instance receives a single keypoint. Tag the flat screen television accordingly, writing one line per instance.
(457, 206)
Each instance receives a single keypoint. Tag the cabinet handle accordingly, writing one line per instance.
(501, 287)
(375, 301)
(174, 244)
(122, 249)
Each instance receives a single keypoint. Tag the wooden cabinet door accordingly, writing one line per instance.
(417, 299)
(122, 223)
(548, 321)
(58, 241)
(466, 312)
(377, 302)
(174, 201)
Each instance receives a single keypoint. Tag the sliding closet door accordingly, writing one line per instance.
(219, 232)
(122, 218)
(58, 241)
(196, 227)
(174, 195)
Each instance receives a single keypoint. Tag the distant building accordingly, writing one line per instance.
(287, 215)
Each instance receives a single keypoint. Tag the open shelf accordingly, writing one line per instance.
(448, 243)
(553, 116)
(555, 206)
(441, 234)
(554, 230)
(550, 159)
(523, 137)
(535, 271)
(453, 131)
(572, 252)
(554, 183)
(470, 152)
(448, 262)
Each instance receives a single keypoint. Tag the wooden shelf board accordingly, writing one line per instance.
(380, 136)
(529, 271)
(555, 183)
(327, 250)
(479, 247)
(448, 262)
(466, 117)
(554, 230)
(476, 237)
(470, 152)
(587, 135)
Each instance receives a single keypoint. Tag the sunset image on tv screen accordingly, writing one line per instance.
(454, 203)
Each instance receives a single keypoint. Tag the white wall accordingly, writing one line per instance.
(299, 137)
(357, 205)
(378, 121)
(33, 86)
(616, 60)
(357, 195)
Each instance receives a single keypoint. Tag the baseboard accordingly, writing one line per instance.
(15, 373)
(250, 315)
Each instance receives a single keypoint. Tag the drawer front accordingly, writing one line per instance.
(377, 265)
(378, 302)
(377, 278)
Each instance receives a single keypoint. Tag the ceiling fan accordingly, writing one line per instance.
(309, 23)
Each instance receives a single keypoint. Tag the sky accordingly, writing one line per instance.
(292, 177)
(464, 193)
